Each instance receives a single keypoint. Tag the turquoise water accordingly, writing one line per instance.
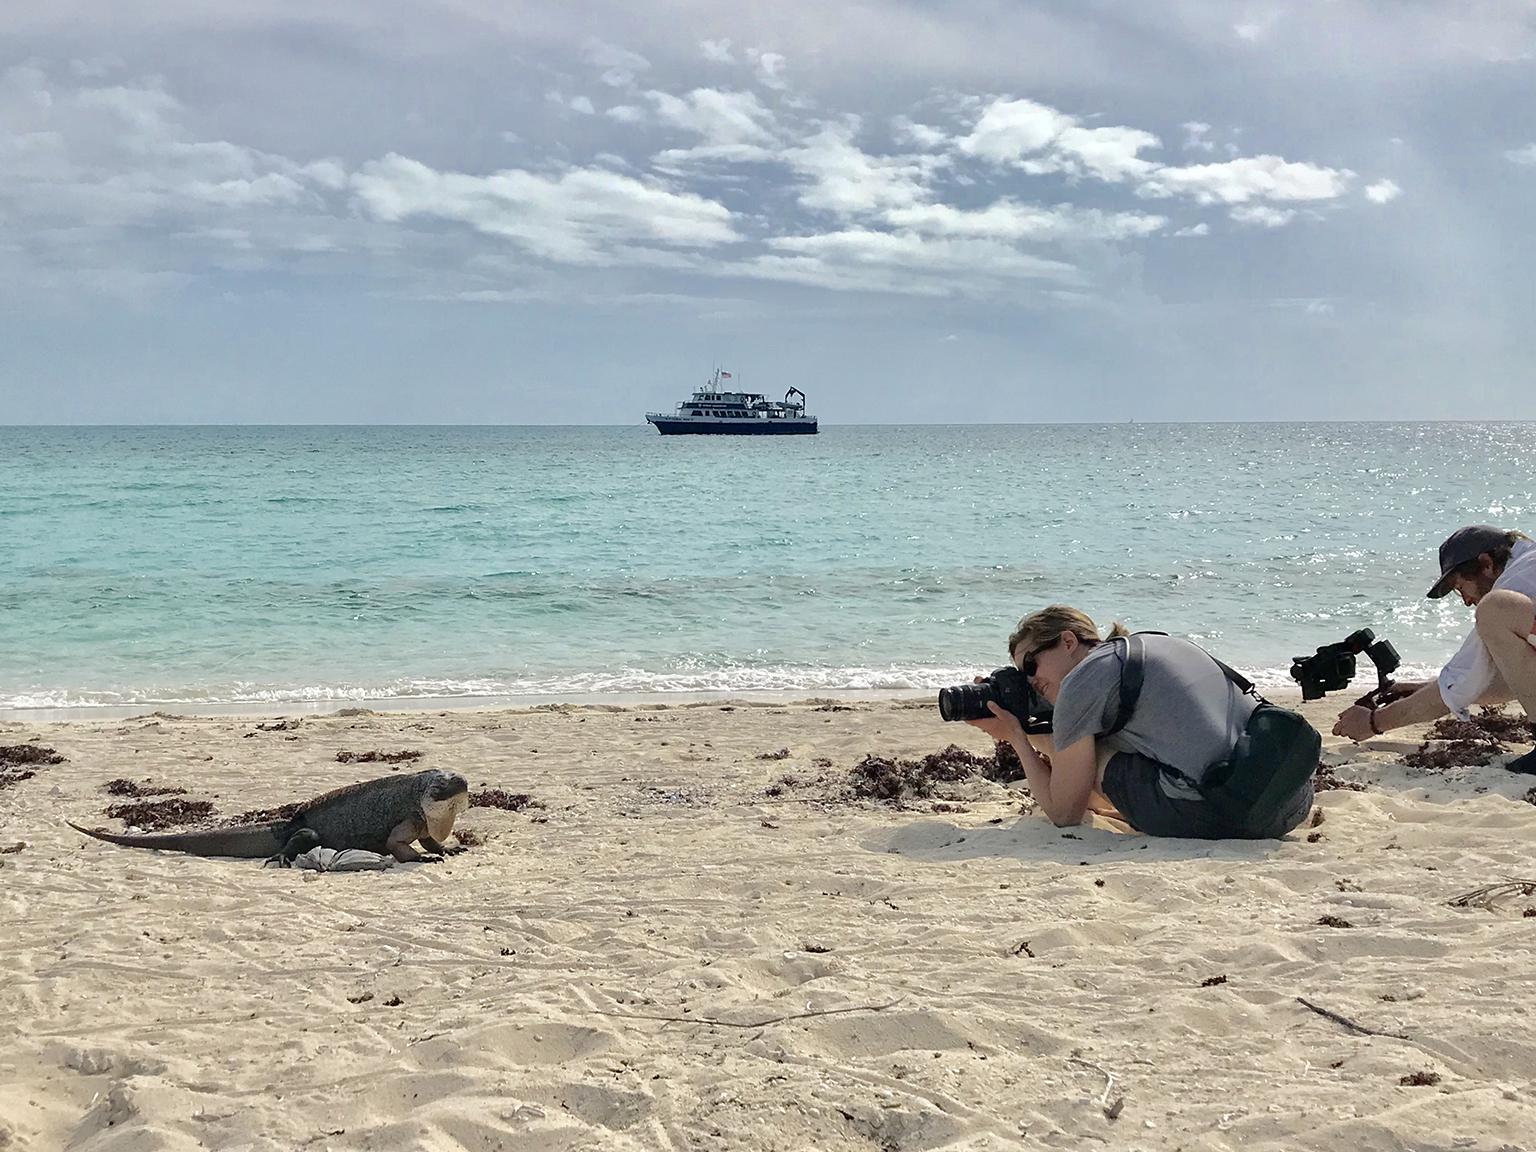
(202, 565)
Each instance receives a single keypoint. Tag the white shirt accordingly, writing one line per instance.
(1471, 672)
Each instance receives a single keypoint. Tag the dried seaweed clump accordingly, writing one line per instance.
(1492, 725)
(266, 815)
(14, 756)
(400, 757)
(500, 798)
(158, 815)
(882, 778)
(1454, 754)
(1473, 742)
(1328, 780)
(138, 791)
(28, 754)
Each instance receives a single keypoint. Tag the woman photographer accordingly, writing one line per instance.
(1150, 766)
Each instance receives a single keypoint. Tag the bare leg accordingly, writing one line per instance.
(1504, 620)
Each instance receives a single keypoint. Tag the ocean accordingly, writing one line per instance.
(203, 566)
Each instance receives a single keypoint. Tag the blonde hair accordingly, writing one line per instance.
(1042, 627)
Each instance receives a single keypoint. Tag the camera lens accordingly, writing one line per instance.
(966, 702)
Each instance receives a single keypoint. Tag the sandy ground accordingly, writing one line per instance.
(828, 974)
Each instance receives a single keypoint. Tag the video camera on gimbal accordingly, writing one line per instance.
(1332, 667)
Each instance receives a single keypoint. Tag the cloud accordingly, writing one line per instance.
(1382, 191)
(907, 131)
(1262, 214)
(582, 216)
(717, 51)
(625, 113)
(1041, 140)
(717, 116)
(1195, 137)
(1248, 178)
(840, 178)
(770, 69)
(619, 66)
(1200, 229)
(1525, 156)
(1009, 130)
(1009, 220)
(904, 263)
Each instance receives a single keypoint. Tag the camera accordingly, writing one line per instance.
(1009, 688)
(1332, 666)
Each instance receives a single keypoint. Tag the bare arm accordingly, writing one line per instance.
(1062, 788)
(1422, 705)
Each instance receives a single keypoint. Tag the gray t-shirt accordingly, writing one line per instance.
(1189, 715)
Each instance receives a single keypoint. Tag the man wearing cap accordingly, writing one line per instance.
(1493, 571)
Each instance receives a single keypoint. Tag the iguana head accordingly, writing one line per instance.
(445, 798)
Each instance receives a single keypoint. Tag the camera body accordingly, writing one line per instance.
(1332, 666)
(1009, 689)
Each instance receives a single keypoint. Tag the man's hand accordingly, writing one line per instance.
(1354, 723)
(1002, 726)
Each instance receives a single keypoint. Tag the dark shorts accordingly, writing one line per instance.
(1133, 783)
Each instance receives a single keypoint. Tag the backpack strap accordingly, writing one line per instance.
(1241, 682)
(1131, 678)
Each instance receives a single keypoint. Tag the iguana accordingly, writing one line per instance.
(385, 815)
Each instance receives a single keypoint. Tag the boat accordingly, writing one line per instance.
(714, 410)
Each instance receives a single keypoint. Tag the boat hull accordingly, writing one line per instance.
(673, 426)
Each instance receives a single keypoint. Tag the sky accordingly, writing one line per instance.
(458, 211)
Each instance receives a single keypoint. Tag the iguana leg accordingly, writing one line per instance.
(298, 844)
(432, 845)
(400, 840)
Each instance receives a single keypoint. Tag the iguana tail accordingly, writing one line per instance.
(250, 840)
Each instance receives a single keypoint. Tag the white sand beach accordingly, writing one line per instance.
(677, 950)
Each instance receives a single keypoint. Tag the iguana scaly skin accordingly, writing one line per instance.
(386, 815)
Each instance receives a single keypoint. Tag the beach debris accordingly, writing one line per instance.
(15, 757)
(469, 837)
(815, 949)
(1345, 1021)
(138, 791)
(781, 754)
(1331, 921)
(1111, 1108)
(763, 1023)
(1327, 780)
(13, 754)
(883, 778)
(1470, 743)
(1022, 948)
(500, 798)
(1213, 981)
(393, 1002)
(158, 815)
(1490, 894)
(403, 756)
(1421, 1079)
(265, 815)
(1491, 723)
(1454, 754)
(361, 998)
(11, 850)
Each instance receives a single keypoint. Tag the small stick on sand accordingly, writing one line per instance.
(1359, 1029)
(754, 1023)
(1111, 1108)
(1490, 894)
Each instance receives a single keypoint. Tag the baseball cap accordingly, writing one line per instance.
(1463, 545)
